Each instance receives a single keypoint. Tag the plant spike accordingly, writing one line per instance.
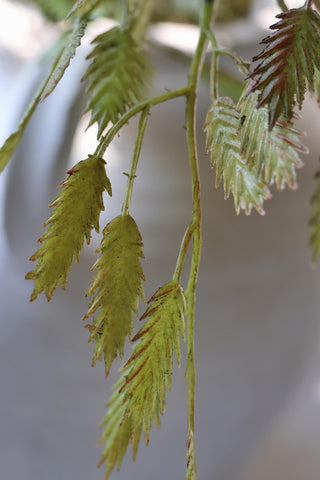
(288, 62)
(273, 154)
(224, 143)
(116, 288)
(77, 211)
(140, 393)
(116, 78)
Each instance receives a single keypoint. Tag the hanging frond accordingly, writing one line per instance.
(116, 288)
(116, 78)
(140, 394)
(314, 222)
(71, 42)
(222, 127)
(273, 154)
(77, 210)
(288, 62)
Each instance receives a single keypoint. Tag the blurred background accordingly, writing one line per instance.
(258, 302)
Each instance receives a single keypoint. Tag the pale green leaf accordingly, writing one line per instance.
(273, 154)
(76, 211)
(71, 42)
(116, 288)
(116, 78)
(222, 127)
(140, 394)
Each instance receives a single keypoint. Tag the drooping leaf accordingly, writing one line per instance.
(140, 394)
(222, 127)
(71, 42)
(116, 288)
(314, 222)
(288, 62)
(273, 154)
(116, 78)
(77, 210)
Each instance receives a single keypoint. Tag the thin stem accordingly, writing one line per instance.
(309, 3)
(183, 251)
(282, 5)
(135, 158)
(107, 139)
(193, 82)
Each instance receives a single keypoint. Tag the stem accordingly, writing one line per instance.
(135, 158)
(282, 5)
(109, 136)
(195, 226)
(309, 3)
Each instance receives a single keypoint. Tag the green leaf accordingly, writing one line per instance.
(71, 42)
(116, 288)
(274, 155)
(288, 62)
(77, 210)
(314, 222)
(116, 78)
(222, 127)
(140, 394)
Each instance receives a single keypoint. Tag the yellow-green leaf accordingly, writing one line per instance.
(76, 211)
(140, 394)
(116, 288)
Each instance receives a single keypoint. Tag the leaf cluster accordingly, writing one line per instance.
(248, 156)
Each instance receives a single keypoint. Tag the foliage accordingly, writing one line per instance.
(140, 393)
(253, 145)
(288, 62)
(77, 210)
(116, 77)
(117, 287)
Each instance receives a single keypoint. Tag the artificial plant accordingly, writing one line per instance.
(253, 145)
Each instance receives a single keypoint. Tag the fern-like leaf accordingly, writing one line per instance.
(140, 394)
(71, 42)
(288, 62)
(224, 142)
(314, 222)
(77, 210)
(117, 287)
(273, 154)
(116, 78)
